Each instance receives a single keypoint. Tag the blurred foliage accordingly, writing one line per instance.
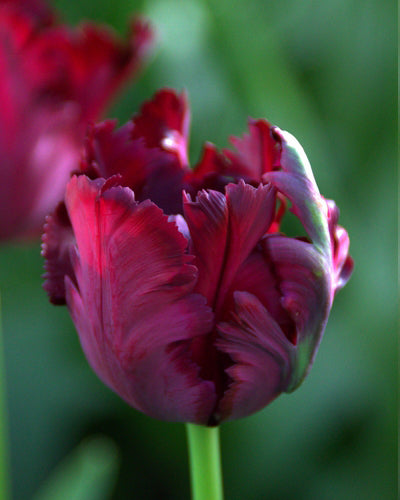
(87, 474)
(325, 71)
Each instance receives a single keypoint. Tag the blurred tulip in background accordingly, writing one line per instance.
(54, 79)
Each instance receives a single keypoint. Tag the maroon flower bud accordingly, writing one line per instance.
(53, 80)
(195, 308)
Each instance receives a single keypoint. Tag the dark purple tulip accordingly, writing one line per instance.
(189, 300)
(53, 80)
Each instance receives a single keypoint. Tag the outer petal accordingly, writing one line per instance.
(296, 181)
(28, 189)
(133, 307)
(224, 231)
(257, 276)
(262, 356)
(305, 283)
(58, 241)
(342, 262)
(164, 122)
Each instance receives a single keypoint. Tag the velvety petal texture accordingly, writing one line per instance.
(189, 300)
(133, 302)
(53, 80)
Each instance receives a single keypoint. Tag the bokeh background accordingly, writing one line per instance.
(325, 71)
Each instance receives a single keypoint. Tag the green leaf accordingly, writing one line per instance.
(88, 473)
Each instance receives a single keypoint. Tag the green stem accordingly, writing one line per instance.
(4, 465)
(205, 462)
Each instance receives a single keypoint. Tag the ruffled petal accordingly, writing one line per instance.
(211, 172)
(133, 304)
(224, 231)
(207, 220)
(262, 356)
(98, 62)
(305, 284)
(251, 212)
(212, 162)
(110, 151)
(342, 262)
(149, 172)
(257, 152)
(58, 241)
(257, 276)
(163, 122)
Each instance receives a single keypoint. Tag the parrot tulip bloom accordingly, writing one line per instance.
(189, 300)
(53, 80)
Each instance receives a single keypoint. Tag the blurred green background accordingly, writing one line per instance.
(325, 71)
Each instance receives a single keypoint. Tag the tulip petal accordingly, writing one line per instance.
(262, 357)
(296, 181)
(257, 276)
(251, 212)
(211, 172)
(212, 162)
(342, 262)
(149, 172)
(257, 152)
(304, 280)
(99, 62)
(224, 231)
(164, 122)
(133, 304)
(207, 220)
(57, 242)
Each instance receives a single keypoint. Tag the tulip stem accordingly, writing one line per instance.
(205, 462)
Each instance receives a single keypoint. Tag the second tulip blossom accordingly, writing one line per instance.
(189, 300)
(53, 80)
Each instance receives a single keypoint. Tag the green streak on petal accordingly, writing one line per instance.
(304, 354)
(319, 220)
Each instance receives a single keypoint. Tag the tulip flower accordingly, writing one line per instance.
(53, 80)
(189, 299)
